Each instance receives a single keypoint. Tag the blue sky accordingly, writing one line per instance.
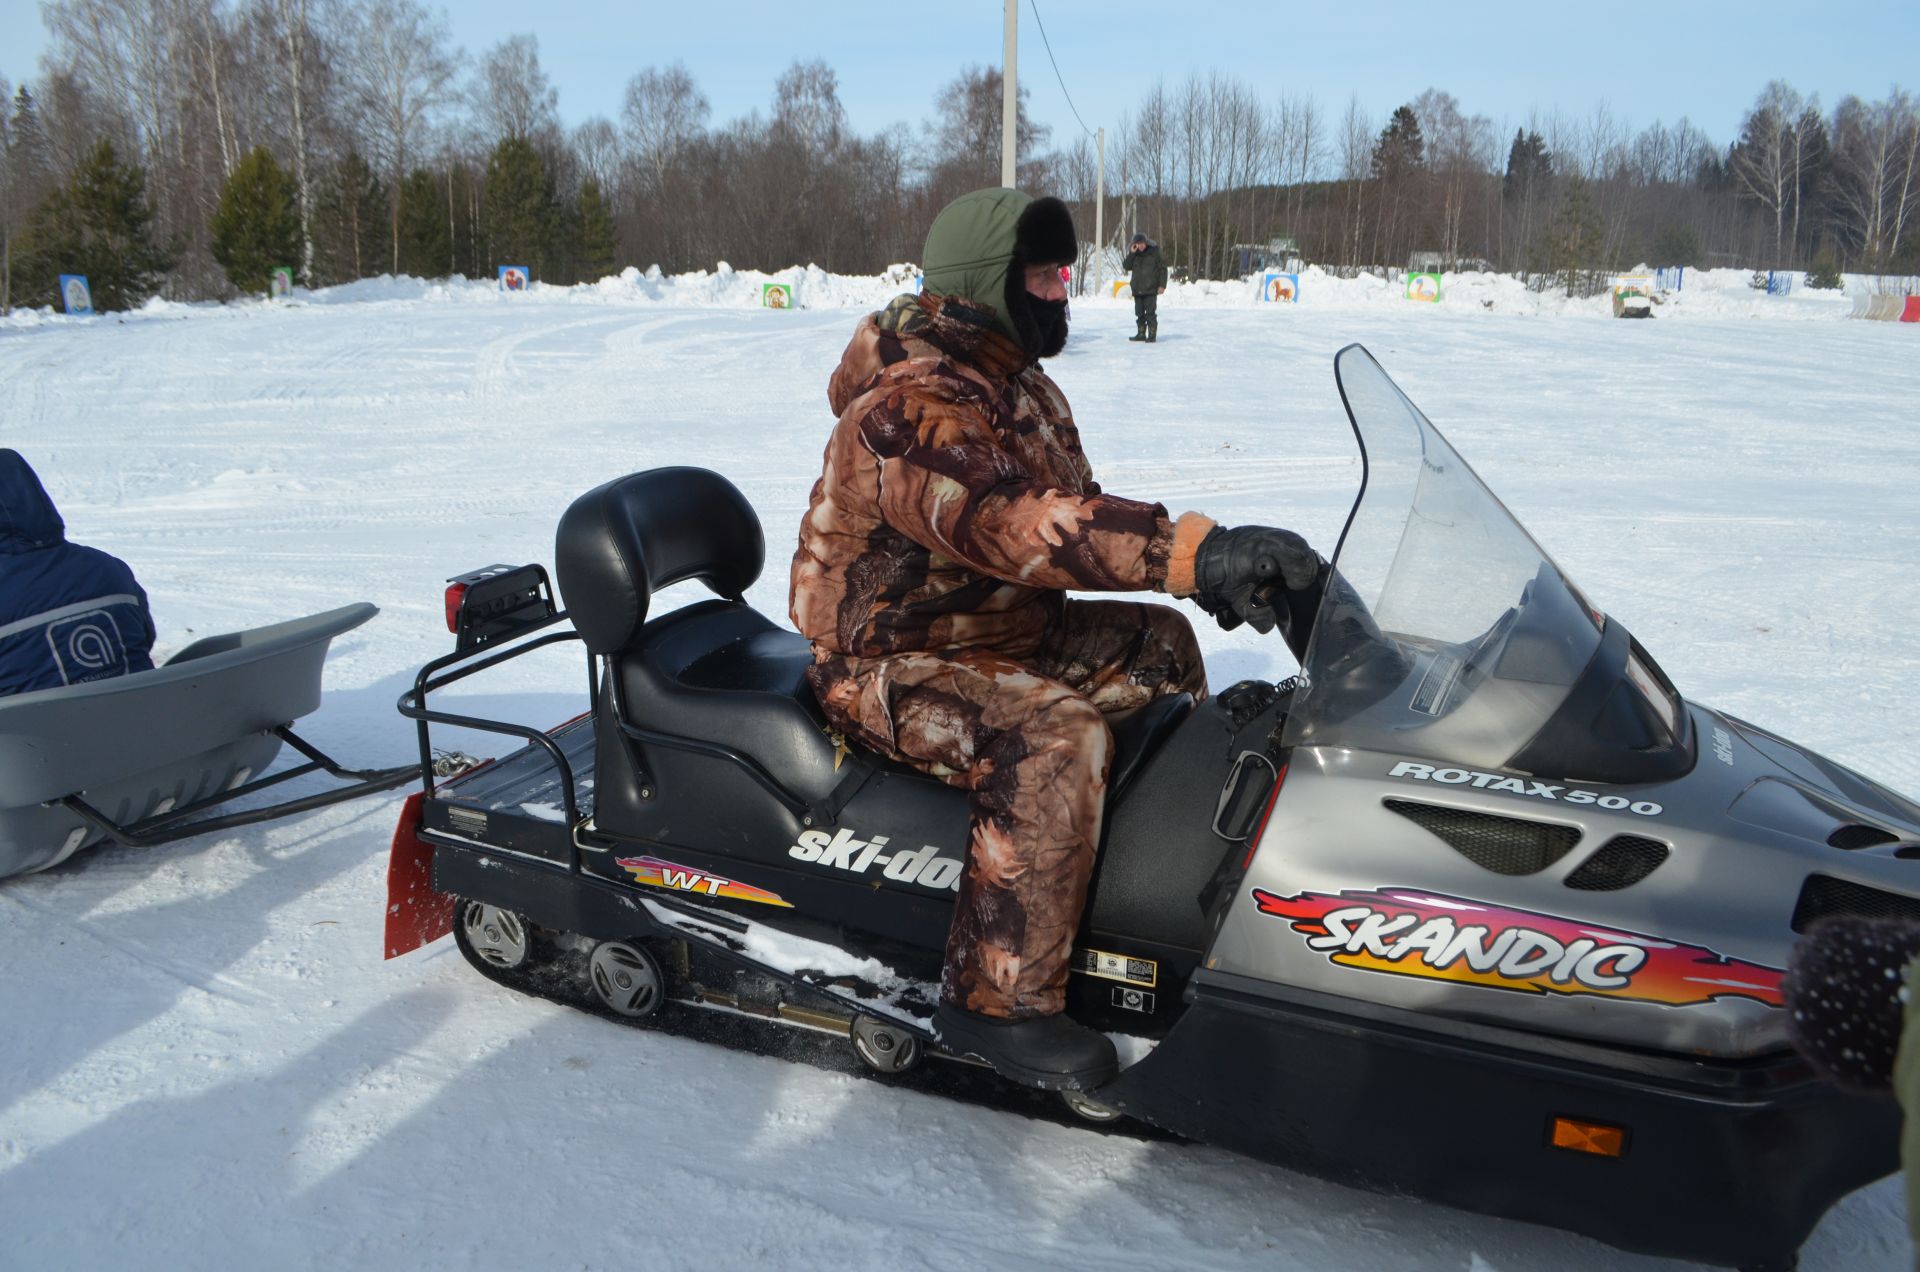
(1706, 59)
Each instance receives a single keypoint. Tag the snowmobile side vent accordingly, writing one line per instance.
(1823, 895)
(1854, 836)
(1504, 845)
(1619, 863)
(1245, 796)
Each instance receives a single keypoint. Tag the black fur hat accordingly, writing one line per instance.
(1043, 236)
(1846, 992)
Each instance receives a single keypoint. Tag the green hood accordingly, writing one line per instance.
(970, 248)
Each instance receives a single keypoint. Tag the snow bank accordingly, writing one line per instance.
(724, 287)
(1719, 293)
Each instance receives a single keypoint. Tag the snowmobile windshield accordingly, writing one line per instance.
(1447, 633)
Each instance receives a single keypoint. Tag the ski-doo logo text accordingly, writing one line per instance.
(1521, 786)
(843, 851)
(1415, 933)
(1723, 746)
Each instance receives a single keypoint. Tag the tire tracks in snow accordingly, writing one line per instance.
(212, 983)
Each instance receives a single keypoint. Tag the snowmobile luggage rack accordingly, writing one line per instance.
(490, 610)
(141, 759)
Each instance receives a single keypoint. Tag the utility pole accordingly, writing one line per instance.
(1009, 95)
(1100, 216)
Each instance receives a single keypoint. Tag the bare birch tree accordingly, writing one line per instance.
(398, 70)
(1763, 161)
(512, 95)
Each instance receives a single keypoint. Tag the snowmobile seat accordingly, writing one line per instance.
(716, 671)
(721, 672)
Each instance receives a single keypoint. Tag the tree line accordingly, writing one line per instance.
(188, 147)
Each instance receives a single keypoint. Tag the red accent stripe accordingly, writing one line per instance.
(1279, 780)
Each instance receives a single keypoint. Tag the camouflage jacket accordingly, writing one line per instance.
(956, 506)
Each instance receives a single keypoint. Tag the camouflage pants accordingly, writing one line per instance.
(1028, 740)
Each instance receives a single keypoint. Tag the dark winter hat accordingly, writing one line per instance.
(1043, 236)
(1139, 238)
(1846, 991)
(972, 244)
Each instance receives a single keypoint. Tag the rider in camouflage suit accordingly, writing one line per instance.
(955, 511)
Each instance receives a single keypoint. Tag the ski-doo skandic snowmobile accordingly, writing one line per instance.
(1478, 907)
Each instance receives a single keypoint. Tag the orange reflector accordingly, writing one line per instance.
(1589, 1137)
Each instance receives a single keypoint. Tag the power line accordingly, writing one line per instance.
(1048, 44)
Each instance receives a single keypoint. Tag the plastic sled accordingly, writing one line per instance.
(152, 757)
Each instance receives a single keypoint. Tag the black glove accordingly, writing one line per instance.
(1236, 571)
(1222, 612)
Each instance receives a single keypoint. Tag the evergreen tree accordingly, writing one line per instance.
(426, 239)
(1529, 166)
(1825, 270)
(350, 223)
(563, 246)
(1906, 254)
(257, 225)
(596, 247)
(24, 176)
(98, 224)
(27, 140)
(1401, 149)
(521, 209)
(1676, 245)
(1574, 233)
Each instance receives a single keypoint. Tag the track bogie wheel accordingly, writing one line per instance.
(1088, 1109)
(499, 939)
(882, 1047)
(626, 978)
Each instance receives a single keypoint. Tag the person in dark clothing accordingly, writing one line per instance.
(68, 613)
(1147, 277)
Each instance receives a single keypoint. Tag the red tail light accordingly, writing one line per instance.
(456, 596)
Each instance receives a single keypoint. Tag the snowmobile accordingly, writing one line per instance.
(1476, 908)
(175, 751)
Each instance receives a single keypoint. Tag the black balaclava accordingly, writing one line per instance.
(1043, 235)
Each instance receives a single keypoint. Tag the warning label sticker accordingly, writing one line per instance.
(1118, 967)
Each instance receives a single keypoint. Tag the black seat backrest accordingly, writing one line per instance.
(621, 542)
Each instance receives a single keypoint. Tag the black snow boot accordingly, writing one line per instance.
(1153, 332)
(1049, 1052)
(1139, 332)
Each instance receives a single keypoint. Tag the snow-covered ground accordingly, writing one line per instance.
(205, 1062)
